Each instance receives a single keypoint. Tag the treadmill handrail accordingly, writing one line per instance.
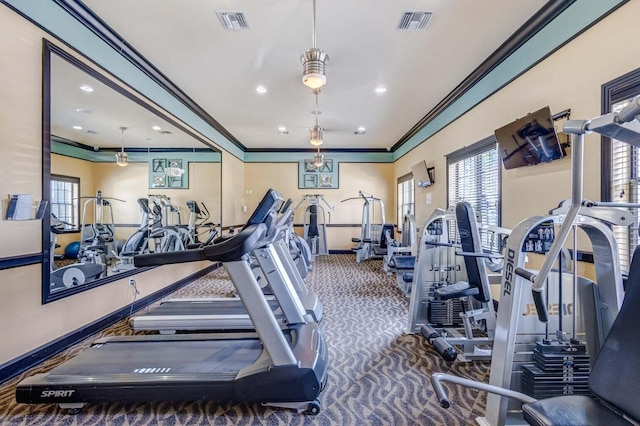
(229, 250)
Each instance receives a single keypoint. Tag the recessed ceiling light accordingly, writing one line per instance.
(282, 129)
(261, 89)
(157, 128)
(83, 110)
(381, 89)
(361, 131)
(86, 88)
(77, 127)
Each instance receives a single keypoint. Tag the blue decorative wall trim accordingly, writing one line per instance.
(340, 157)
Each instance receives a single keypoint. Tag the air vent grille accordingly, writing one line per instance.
(414, 21)
(233, 20)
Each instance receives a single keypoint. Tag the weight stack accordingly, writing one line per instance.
(444, 313)
(559, 368)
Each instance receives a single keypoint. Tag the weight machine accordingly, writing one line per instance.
(371, 231)
(315, 223)
(599, 302)
(97, 245)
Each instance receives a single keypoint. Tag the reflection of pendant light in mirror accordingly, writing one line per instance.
(314, 61)
(122, 158)
(316, 132)
(318, 159)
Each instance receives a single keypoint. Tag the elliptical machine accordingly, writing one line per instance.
(137, 243)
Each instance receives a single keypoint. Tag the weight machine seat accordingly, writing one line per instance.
(407, 277)
(571, 410)
(614, 376)
(455, 291)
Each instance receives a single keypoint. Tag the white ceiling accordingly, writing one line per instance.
(220, 69)
(102, 112)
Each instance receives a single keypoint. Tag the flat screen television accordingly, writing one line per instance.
(421, 174)
(529, 140)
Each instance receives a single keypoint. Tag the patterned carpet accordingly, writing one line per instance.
(378, 375)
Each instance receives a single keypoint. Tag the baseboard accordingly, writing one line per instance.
(340, 251)
(30, 359)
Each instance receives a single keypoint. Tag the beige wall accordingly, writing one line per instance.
(373, 178)
(570, 78)
(26, 323)
(233, 184)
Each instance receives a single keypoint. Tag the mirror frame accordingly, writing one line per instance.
(48, 50)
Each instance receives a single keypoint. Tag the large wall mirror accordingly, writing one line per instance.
(120, 177)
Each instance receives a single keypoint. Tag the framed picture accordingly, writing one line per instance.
(312, 176)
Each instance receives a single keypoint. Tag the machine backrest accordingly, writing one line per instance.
(615, 376)
(383, 237)
(313, 221)
(471, 243)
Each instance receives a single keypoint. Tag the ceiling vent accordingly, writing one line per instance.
(414, 21)
(233, 20)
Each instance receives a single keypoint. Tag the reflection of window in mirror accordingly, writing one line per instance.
(65, 206)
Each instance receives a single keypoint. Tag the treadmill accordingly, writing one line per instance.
(275, 366)
(225, 313)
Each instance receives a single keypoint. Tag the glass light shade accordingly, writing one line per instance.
(122, 158)
(316, 135)
(314, 80)
(318, 160)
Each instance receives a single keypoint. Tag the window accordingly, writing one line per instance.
(620, 165)
(65, 194)
(406, 198)
(474, 176)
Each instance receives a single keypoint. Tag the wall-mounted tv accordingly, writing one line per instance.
(423, 175)
(529, 140)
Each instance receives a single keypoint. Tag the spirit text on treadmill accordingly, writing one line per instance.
(57, 393)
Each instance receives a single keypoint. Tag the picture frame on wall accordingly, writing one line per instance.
(312, 176)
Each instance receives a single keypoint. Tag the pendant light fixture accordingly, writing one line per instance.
(314, 61)
(318, 159)
(316, 132)
(122, 158)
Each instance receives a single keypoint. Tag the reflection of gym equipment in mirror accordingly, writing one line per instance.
(372, 241)
(97, 245)
(315, 223)
(90, 153)
(597, 303)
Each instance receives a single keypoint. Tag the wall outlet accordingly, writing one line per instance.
(244, 209)
(428, 198)
(132, 282)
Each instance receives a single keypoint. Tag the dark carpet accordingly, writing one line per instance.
(378, 375)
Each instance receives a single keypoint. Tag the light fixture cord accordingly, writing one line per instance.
(314, 24)
(122, 129)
